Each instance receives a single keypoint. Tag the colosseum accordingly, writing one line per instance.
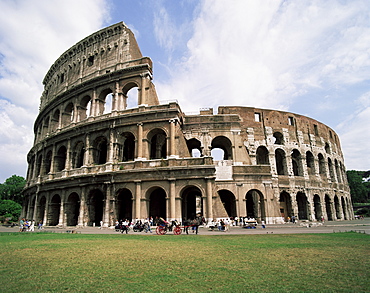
(106, 148)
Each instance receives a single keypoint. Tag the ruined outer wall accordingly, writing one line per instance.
(105, 51)
(90, 164)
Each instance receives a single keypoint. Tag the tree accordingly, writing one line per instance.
(10, 209)
(359, 190)
(12, 188)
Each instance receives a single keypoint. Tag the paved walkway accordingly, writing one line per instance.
(361, 226)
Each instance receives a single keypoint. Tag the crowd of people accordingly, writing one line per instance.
(28, 225)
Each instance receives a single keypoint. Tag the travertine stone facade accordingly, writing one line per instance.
(97, 158)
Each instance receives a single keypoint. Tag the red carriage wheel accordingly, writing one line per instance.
(177, 231)
(160, 230)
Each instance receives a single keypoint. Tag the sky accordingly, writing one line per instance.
(307, 57)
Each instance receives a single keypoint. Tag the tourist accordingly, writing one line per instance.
(21, 224)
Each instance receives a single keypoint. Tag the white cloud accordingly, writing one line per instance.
(356, 141)
(33, 34)
(268, 54)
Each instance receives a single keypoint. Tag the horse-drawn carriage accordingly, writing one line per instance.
(164, 226)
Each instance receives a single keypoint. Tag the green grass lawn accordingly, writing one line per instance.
(55, 262)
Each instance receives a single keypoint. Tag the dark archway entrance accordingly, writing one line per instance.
(124, 205)
(337, 207)
(41, 210)
(302, 206)
(191, 202)
(54, 210)
(317, 207)
(255, 205)
(157, 203)
(328, 207)
(95, 206)
(72, 209)
(229, 202)
(285, 205)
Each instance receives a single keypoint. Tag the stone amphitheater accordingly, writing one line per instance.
(106, 149)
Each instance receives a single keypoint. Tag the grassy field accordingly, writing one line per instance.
(43, 262)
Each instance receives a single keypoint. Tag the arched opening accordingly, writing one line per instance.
(157, 203)
(39, 166)
(322, 170)
(46, 126)
(297, 163)
(31, 164)
(48, 160)
(54, 210)
(317, 207)
(95, 207)
(41, 210)
(229, 202)
(280, 160)
(223, 143)
(331, 170)
(68, 114)
(302, 206)
(255, 205)
(55, 121)
(130, 96)
(108, 103)
(337, 171)
(337, 207)
(100, 150)
(194, 147)
(286, 211)
(279, 138)
(157, 144)
(191, 204)
(327, 148)
(78, 155)
(104, 103)
(85, 108)
(262, 156)
(128, 150)
(72, 209)
(217, 154)
(328, 208)
(60, 159)
(124, 205)
(310, 162)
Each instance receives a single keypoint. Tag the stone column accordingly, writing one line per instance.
(45, 219)
(61, 213)
(107, 206)
(142, 95)
(53, 152)
(60, 119)
(112, 139)
(172, 148)
(35, 208)
(94, 107)
(294, 206)
(139, 141)
(209, 210)
(68, 156)
(87, 160)
(82, 208)
(137, 199)
(172, 182)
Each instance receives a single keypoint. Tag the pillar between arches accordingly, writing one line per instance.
(137, 201)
